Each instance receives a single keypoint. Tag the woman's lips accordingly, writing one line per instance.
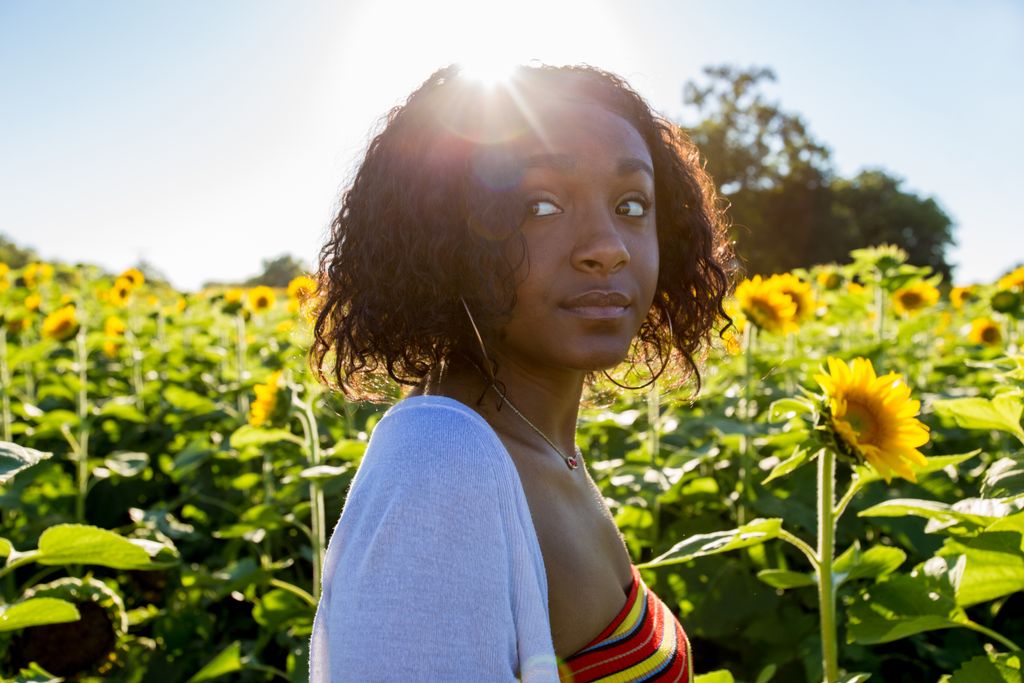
(598, 304)
(598, 312)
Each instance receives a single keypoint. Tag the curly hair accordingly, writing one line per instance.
(430, 217)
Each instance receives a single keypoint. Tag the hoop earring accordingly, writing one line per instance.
(652, 380)
(488, 369)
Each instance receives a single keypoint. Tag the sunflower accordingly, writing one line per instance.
(113, 326)
(16, 326)
(121, 293)
(61, 325)
(111, 347)
(872, 418)
(37, 273)
(985, 331)
(914, 297)
(1005, 301)
(134, 276)
(797, 290)
(98, 636)
(958, 296)
(33, 302)
(829, 278)
(233, 296)
(766, 306)
(301, 288)
(261, 298)
(1013, 280)
(4, 269)
(266, 406)
(884, 258)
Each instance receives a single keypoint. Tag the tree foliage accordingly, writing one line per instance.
(787, 206)
(13, 255)
(278, 271)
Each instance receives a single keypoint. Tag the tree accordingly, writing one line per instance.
(15, 256)
(787, 206)
(882, 212)
(278, 271)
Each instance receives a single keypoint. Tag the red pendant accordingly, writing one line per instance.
(571, 462)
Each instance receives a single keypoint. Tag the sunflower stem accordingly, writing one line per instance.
(316, 493)
(240, 349)
(5, 383)
(826, 551)
(998, 637)
(136, 355)
(30, 376)
(880, 312)
(746, 415)
(82, 453)
(654, 445)
(840, 508)
(800, 545)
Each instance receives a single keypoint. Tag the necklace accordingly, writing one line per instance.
(572, 461)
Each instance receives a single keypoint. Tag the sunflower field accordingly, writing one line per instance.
(843, 501)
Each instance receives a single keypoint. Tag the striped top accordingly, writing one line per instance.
(644, 642)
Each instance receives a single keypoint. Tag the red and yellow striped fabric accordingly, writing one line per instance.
(644, 642)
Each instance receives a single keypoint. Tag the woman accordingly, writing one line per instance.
(498, 247)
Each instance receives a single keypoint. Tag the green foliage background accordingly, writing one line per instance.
(188, 534)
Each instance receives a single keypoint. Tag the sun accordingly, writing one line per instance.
(487, 70)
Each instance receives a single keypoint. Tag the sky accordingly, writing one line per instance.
(205, 136)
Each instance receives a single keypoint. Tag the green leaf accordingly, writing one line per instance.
(788, 408)
(721, 676)
(122, 408)
(127, 464)
(229, 660)
(1002, 412)
(276, 608)
(1003, 667)
(754, 533)
(84, 544)
(15, 458)
(876, 561)
(5, 547)
(942, 517)
(34, 673)
(994, 564)
(900, 605)
(247, 435)
(799, 457)
(246, 481)
(1004, 477)
(187, 401)
(36, 612)
(781, 578)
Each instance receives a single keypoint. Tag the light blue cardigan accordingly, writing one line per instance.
(434, 571)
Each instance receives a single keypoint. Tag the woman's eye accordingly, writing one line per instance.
(542, 207)
(634, 208)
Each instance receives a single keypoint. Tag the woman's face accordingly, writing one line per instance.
(591, 238)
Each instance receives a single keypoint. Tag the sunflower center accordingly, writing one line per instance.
(990, 335)
(862, 420)
(911, 300)
(764, 311)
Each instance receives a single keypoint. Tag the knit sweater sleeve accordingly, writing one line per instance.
(417, 583)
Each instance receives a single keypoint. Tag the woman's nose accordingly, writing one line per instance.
(599, 245)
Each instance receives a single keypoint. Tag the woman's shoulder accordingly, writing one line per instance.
(435, 440)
